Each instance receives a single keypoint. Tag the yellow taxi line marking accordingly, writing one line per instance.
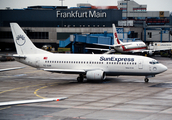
(20, 88)
(26, 87)
(33, 71)
(5, 108)
(35, 92)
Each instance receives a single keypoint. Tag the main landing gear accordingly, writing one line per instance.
(146, 80)
(80, 79)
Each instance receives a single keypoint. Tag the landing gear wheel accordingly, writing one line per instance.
(146, 80)
(80, 79)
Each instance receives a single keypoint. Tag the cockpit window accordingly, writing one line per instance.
(154, 62)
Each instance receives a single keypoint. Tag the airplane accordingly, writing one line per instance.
(89, 66)
(129, 47)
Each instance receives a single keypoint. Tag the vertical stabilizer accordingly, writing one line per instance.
(115, 36)
(23, 44)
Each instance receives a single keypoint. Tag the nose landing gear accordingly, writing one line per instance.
(147, 78)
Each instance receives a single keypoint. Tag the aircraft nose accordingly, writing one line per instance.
(163, 68)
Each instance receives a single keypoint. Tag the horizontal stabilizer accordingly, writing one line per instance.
(15, 56)
(31, 101)
(19, 56)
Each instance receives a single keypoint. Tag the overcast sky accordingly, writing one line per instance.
(152, 5)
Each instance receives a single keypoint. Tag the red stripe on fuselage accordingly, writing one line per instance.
(133, 48)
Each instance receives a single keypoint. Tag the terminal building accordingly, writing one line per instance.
(49, 25)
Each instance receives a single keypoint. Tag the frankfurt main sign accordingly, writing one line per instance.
(81, 14)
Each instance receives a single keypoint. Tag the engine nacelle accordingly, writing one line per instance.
(95, 75)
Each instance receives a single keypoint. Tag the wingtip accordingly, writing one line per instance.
(59, 99)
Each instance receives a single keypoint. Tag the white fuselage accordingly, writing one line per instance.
(132, 47)
(110, 64)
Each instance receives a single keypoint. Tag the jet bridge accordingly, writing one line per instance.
(77, 42)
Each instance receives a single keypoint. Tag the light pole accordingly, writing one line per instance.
(61, 2)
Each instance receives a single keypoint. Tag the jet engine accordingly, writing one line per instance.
(95, 75)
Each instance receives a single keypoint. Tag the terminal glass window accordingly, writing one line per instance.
(149, 34)
(38, 35)
(123, 3)
(6, 35)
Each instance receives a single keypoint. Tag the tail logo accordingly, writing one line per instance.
(20, 39)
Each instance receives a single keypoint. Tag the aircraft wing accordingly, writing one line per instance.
(113, 45)
(71, 71)
(7, 69)
(30, 101)
(65, 71)
(100, 49)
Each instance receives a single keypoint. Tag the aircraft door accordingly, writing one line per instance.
(140, 65)
(150, 68)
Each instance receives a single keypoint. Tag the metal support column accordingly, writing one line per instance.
(161, 35)
(144, 34)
